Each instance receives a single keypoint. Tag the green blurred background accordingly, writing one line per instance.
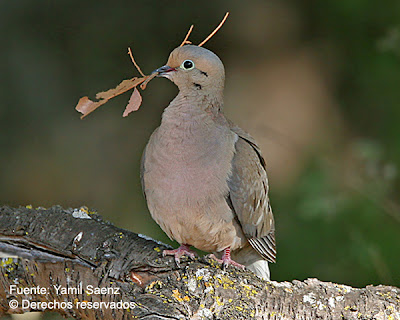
(317, 83)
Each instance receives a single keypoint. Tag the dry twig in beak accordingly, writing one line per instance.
(150, 77)
(186, 41)
(215, 31)
(134, 62)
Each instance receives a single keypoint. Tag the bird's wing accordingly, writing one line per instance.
(248, 195)
(142, 163)
(142, 169)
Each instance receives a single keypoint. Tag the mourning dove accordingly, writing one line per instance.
(204, 178)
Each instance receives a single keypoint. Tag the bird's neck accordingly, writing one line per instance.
(192, 130)
(190, 114)
(196, 102)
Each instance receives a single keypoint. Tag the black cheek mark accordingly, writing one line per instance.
(204, 73)
(198, 86)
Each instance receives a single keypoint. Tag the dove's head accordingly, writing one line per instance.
(195, 70)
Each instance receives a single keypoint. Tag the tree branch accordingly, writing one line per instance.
(60, 257)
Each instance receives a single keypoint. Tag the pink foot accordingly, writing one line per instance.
(184, 249)
(226, 259)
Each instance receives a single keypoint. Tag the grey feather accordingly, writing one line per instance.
(142, 169)
(248, 194)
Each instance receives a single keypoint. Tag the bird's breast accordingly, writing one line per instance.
(186, 168)
(188, 163)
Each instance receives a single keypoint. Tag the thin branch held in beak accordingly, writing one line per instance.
(185, 41)
(134, 62)
(152, 76)
(215, 31)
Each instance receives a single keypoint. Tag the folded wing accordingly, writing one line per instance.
(248, 195)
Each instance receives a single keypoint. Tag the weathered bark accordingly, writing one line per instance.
(66, 249)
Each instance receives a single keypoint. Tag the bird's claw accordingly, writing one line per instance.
(178, 253)
(226, 261)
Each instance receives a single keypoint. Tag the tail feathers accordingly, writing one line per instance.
(260, 268)
(253, 261)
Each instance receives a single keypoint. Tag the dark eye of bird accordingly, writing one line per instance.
(188, 64)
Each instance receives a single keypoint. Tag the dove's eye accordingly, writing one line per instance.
(187, 65)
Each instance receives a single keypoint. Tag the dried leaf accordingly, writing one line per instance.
(86, 106)
(124, 86)
(134, 102)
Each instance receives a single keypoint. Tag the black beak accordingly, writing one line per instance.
(162, 71)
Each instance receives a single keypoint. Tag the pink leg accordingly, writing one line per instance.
(226, 259)
(184, 249)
